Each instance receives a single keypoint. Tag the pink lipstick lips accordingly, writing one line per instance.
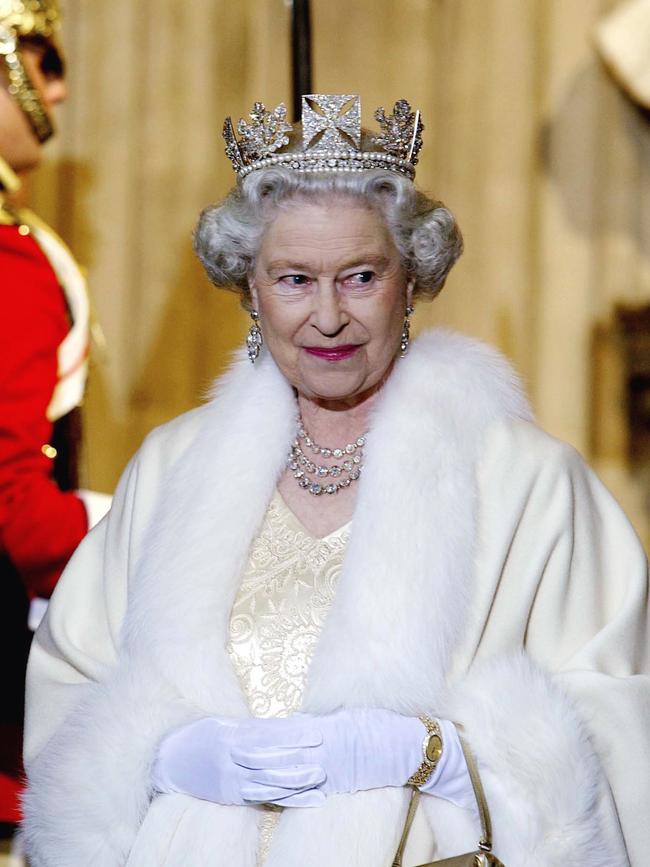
(334, 353)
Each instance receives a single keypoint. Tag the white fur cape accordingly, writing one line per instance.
(489, 579)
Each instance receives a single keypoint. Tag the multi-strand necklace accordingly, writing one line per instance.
(317, 478)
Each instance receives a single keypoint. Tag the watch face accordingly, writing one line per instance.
(433, 749)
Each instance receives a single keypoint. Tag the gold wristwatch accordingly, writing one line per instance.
(432, 747)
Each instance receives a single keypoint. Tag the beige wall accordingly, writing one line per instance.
(545, 164)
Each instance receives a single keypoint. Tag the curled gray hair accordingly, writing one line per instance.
(228, 235)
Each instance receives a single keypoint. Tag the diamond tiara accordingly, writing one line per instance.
(331, 138)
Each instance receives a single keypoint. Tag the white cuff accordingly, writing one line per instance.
(451, 779)
(37, 609)
(97, 505)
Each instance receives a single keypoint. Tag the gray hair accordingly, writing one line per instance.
(228, 235)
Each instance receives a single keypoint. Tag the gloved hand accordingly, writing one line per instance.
(356, 749)
(196, 760)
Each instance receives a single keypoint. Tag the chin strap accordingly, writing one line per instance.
(21, 87)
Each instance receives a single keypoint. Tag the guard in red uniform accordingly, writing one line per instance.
(43, 358)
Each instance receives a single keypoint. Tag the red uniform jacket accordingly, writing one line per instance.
(40, 524)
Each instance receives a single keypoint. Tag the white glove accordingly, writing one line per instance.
(196, 760)
(96, 505)
(356, 749)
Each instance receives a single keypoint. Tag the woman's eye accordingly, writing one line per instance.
(294, 280)
(362, 278)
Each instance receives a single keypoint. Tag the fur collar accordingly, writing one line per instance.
(410, 544)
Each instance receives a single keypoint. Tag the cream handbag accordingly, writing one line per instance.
(482, 856)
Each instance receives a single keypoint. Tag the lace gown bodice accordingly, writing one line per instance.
(285, 595)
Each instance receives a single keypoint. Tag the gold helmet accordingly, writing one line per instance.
(30, 17)
(24, 19)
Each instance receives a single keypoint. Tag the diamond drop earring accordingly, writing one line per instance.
(406, 332)
(254, 339)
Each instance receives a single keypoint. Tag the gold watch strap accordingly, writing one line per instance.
(428, 766)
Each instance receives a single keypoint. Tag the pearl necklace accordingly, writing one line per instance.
(303, 467)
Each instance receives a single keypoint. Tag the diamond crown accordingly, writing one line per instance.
(331, 138)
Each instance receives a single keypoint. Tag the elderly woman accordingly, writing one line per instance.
(360, 549)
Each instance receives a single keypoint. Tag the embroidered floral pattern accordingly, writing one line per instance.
(284, 598)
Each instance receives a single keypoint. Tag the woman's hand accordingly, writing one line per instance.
(354, 749)
(197, 760)
(299, 760)
(357, 749)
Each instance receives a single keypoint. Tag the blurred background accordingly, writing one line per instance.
(543, 159)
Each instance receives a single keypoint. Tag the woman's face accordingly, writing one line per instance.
(331, 294)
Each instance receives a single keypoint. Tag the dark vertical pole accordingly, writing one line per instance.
(300, 52)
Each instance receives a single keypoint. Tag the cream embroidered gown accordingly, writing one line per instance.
(285, 595)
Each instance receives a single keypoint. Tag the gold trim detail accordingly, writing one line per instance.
(9, 181)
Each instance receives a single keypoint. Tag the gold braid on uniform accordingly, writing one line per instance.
(9, 183)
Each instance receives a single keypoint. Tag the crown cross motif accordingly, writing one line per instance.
(331, 138)
(331, 122)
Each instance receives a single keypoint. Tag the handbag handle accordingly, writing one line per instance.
(485, 843)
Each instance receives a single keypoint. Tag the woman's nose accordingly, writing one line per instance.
(328, 316)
